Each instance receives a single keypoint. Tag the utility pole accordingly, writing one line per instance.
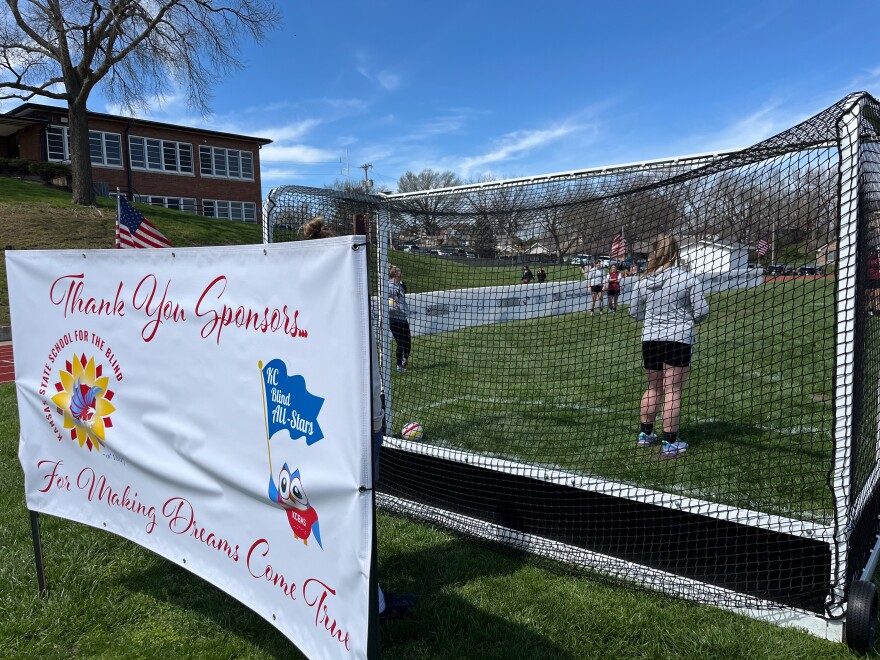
(347, 170)
(367, 183)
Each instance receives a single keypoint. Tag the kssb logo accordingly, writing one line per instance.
(83, 399)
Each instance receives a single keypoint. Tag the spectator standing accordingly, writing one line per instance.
(613, 285)
(527, 275)
(397, 317)
(542, 275)
(390, 606)
(595, 280)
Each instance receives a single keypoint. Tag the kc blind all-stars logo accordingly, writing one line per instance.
(83, 399)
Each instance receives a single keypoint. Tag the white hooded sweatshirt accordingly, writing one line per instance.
(671, 303)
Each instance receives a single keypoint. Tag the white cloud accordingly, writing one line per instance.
(294, 131)
(386, 78)
(517, 144)
(296, 153)
(157, 107)
(389, 80)
(771, 118)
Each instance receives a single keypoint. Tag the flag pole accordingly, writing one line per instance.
(265, 413)
(118, 245)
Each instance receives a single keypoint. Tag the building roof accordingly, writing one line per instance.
(26, 110)
(721, 244)
(10, 125)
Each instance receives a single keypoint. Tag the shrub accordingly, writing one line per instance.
(48, 171)
(14, 167)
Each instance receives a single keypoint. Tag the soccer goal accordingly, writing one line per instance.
(739, 470)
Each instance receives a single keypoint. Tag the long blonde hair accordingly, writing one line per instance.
(314, 228)
(663, 254)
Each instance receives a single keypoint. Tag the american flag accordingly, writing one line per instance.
(133, 230)
(763, 247)
(618, 247)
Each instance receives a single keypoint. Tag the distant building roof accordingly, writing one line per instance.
(716, 243)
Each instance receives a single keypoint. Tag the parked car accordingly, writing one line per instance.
(581, 260)
(778, 269)
(810, 269)
(756, 268)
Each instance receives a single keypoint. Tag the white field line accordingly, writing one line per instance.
(785, 430)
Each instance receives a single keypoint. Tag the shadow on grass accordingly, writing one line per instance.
(167, 582)
(444, 624)
(755, 437)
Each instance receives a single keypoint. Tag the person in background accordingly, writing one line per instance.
(595, 280)
(613, 286)
(390, 606)
(527, 275)
(634, 269)
(542, 275)
(670, 302)
(397, 316)
(873, 283)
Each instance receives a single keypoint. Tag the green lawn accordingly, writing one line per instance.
(109, 598)
(37, 217)
(565, 390)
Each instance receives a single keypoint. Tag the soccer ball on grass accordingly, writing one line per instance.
(412, 431)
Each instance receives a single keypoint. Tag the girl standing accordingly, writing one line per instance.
(595, 279)
(613, 284)
(398, 317)
(670, 301)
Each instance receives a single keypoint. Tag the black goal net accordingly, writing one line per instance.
(665, 372)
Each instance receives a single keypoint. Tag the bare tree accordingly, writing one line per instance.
(427, 210)
(62, 49)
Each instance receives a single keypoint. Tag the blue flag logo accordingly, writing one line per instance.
(289, 405)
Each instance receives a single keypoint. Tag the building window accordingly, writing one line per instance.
(57, 144)
(187, 204)
(221, 208)
(160, 155)
(226, 163)
(105, 148)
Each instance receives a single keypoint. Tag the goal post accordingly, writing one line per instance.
(532, 371)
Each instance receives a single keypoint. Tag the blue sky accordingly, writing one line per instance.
(510, 89)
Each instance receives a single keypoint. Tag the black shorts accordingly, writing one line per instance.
(657, 354)
(596, 288)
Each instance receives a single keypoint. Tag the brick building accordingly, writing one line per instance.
(200, 171)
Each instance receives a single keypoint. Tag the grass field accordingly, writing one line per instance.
(565, 390)
(36, 217)
(109, 598)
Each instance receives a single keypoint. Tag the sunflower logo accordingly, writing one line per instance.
(84, 401)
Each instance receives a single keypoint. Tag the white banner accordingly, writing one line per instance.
(212, 405)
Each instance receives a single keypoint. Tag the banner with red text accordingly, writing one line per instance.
(212, 405)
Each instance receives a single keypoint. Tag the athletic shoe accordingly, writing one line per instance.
(591, 313)
(674, 448)
(397, 606)
(646, 440)
(405, 363)
(399, 368)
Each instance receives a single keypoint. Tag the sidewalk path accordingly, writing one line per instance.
(7, 372)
